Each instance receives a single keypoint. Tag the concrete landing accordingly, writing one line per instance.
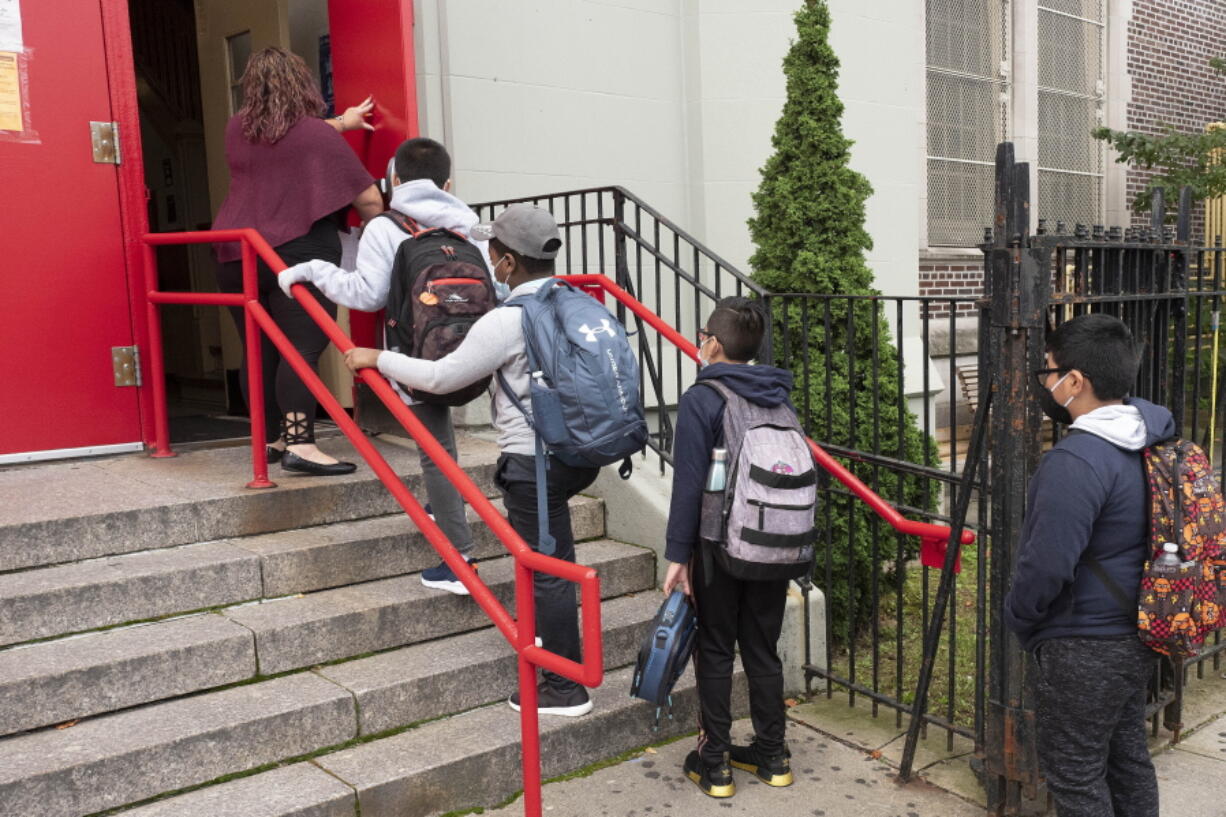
(59, 512)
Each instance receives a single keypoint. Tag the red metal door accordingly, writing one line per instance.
(64, 273)
(358, 30)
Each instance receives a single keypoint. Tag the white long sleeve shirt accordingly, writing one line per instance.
(495, 343)
(368, 285)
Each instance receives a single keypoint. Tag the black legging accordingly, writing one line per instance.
(285, 393)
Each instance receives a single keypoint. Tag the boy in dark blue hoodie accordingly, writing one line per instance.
(1087, 502)
(731, 611)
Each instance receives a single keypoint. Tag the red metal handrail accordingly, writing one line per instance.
(926, 531)
(520, 631)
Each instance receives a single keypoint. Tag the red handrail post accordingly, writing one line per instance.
(529, 726)
(255, 373)
(157, 364)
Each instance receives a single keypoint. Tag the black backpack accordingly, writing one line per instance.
(440, 288)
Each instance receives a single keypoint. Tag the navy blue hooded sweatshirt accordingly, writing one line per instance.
(1088, 497)
(700, 427)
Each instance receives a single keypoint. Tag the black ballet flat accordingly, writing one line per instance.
(272, 453)
(292, 462)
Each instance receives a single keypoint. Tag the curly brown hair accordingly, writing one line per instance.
(278, 90)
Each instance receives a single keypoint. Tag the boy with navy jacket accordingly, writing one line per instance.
(421, 191)
(1088, 502)
(731, 611)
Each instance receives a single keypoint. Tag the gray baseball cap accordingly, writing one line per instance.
(525, 228)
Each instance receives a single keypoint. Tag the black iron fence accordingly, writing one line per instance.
(906, 442)
(1169, 292)
(899, 417)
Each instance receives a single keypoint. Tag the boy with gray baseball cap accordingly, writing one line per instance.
(523, 242)
(525, 228)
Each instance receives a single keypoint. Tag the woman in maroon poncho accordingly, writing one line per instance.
(292, 177)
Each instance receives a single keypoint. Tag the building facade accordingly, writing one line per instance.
(674, 99)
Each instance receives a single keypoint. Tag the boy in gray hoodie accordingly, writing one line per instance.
(422, 182)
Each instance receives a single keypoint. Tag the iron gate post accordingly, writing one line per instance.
(1017, 281)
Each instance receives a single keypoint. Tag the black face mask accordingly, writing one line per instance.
(1055, 411)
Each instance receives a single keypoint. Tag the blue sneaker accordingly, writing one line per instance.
(443, 578)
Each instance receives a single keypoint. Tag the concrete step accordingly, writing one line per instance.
(54, 681)
(55, 513)
(300, 561)
(423, 681)
(97, 593)
(129, 757)
(471, 760)
(336, 624)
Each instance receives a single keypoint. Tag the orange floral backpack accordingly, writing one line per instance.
(1178, 607)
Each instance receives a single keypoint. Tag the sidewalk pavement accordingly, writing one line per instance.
(841, 772)
(833, 779)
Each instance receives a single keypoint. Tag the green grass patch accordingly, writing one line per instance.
(893, 669)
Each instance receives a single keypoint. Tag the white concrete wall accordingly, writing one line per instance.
(674, 99)
(555, 95)
(881, 48)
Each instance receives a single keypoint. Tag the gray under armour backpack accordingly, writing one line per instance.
(761, 526)
(585, 404)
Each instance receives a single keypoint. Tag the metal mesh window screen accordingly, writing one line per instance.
(966, 43)
(1072, 58)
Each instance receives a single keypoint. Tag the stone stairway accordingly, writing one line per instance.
(172, 644)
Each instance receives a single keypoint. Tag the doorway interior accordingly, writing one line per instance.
(189, 56)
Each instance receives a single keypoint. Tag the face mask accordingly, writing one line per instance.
(494, 271)
(1058, 413)
(702, 361)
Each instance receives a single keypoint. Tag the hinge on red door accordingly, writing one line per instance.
(125, 361)
(104, 137)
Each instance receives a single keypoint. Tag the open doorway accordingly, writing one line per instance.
(189, 56)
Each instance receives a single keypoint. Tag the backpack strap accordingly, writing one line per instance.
(732, 430)
(406, 223)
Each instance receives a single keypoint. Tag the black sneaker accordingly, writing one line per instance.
(773, 770)
(715, 781)
(550, 701)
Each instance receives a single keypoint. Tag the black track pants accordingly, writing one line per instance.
(732, 613)
(1091, 726)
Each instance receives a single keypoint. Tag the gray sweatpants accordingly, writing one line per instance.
(445, 500)
(1090, 720)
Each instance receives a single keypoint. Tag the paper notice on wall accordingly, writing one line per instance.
(10, 26)
(10, 93)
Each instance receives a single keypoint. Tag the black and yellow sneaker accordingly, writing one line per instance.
(715, 781)
(773, 770)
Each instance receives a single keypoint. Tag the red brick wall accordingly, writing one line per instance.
(1170, 43)
(950, 280)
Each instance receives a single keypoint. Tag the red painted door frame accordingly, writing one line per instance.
(121, 80)
(358, 31)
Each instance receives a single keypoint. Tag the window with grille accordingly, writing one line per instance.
(1072, 62)
(967, 95)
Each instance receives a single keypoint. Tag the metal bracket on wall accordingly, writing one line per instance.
(104, 136)
(125, 362)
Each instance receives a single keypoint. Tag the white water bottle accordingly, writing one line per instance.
(1168, 561)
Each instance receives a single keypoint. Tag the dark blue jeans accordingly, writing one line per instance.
(557, 614)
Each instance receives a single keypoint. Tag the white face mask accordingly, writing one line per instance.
(702, 361)
(494, 270)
